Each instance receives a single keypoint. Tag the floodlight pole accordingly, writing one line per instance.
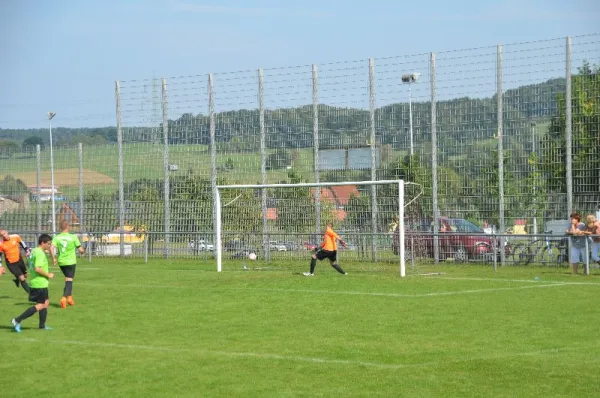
(535, 225)
(409, 79)
(50, 116)
(410, 122)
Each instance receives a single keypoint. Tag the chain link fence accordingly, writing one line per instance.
(507, 134)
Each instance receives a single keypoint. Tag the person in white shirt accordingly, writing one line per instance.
(487, 228)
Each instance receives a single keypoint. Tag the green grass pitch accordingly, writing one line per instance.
(179, 328)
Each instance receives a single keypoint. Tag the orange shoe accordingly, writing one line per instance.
(70, 300)
(63, 302)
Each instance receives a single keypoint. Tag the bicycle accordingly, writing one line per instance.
(544, 250)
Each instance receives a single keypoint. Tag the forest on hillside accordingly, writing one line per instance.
(292, 127)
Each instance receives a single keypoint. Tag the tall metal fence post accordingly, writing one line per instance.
(587, 257)
(81, 204)
(263, 162)
(373, 154)
(434, 175)
(146, 249)
(38, 157)
(315, 109)
(500, 148)
(213, 150)
(568, 127)
(120, 165)
(167, 182)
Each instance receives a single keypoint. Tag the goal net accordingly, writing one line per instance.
(276, 226)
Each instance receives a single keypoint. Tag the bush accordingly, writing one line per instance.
(279, 159)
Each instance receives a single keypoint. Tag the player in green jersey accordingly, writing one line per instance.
(38, 283)
(66, 244)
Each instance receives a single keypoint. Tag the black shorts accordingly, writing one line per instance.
(323, 254)
(17, 268)
(68, 270)
(38, 296)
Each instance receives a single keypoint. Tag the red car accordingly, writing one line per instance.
(311, 246)
(458, 239)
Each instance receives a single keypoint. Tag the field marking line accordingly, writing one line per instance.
(458, 278)
(294, 358)
(404, 295)
(225, 353)
(333, 292)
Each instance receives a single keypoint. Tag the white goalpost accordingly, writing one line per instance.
(400, 184)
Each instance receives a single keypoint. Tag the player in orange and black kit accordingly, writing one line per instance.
(10, 245)
(328, 250)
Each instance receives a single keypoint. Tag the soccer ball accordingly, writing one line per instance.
(252, 256)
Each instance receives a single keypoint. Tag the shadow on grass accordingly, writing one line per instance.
(12, 329)
(32, 303)
(7, 327)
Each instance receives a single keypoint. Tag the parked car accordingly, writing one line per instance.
(200, 245)
(349, 246)
(291, 245)
(459, 239)
(278, 247)
(311, 245)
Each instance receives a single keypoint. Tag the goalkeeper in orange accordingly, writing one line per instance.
(11, 246)
(328, 250)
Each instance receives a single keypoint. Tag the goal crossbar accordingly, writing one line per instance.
(217, 200)
(310, 184)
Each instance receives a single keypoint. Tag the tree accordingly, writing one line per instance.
(190, 198)
(100, 212)
(7, 148)
(30, 142)
(486, 189)
(585, 124)
(358, 212)
(145, 204)
(279, 159)
(536, 198)
(12, 187)
(191, 203)
(242, 211)
(295, 206)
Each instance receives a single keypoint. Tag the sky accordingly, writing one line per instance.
(65, 55)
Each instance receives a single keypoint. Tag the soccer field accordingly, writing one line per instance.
(179, 328)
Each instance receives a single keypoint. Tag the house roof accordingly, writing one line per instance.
(271, 213)
(42, 186)
(339, 195)
(33, 189)
(344, 192)
(69, 212)
(339, 214)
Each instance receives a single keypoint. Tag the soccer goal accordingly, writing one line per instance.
(278, 223)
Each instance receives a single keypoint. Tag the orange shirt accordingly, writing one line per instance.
(11, 248)
(329, 240)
